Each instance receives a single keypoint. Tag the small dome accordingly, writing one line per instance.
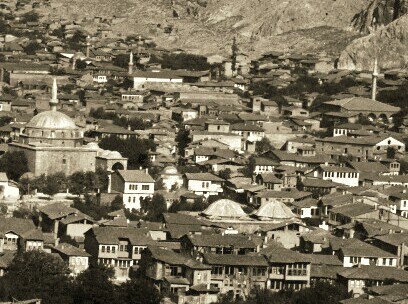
(224, 208)
(52, 120)
(93, 146)
(170, 170)
(274, 210)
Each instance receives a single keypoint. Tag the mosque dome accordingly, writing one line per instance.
(52, 120)
(224, 208)
(274, 210)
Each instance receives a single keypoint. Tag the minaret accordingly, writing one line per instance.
(54, 96)
(375, 76)
(74, 59)
(131, 63)
(88, 45)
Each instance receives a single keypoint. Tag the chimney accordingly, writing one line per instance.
(73, 62)
(130, 63)
(375, 76)
(129, 128)
(88, 45)
(56, 242)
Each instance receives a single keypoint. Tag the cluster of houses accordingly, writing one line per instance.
(294, 194)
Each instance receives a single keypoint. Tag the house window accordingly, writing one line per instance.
(103, 248)
(216, 270)
(229, 270)
(145, 187)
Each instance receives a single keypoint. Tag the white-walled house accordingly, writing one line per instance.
(401, 203)
(8, 189)
(361, 253)
(203, 183)
(342, 175)
(134, 186)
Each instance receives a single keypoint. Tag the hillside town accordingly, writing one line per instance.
(209, 178)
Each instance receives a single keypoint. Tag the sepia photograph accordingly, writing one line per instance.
(203, 152)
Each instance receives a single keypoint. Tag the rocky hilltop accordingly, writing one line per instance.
(389, 44)
(207, 26)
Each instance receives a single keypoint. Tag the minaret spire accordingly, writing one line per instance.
(131, 63)
(54, 96)
(375, 76)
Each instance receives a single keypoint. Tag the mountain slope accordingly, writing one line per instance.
(207, 26)
(389, 44)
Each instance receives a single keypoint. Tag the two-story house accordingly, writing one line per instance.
(287, 269)
(401, 202)
(117, 247)
(178, 274)
(342, 175)
(76, 258)
(238, 274)
(360, 253)
(206, 184)
(134, 185)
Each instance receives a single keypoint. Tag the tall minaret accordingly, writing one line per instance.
(131, 63)
(54, 96)
(88, 46)
(375, 76)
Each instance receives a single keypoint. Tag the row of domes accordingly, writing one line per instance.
(225, 208)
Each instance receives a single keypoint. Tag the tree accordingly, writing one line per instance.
(36, 274)
(182, 139)
(77, 40)
(263, 145)
(138, 291)
(391, 152)
(101, 179)
(117, 203)
(30, 16)
(3, 209)
(32, 47)
(136, 150)
(14, 164)
(248, 170)
(81, 64)
(225, 174)
(94, 286)
(154, 207)
(234, 54)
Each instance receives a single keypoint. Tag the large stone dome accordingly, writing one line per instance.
(224, 208)
(274, 210)
(52, 120)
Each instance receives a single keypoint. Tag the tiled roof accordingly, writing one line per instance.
(215, 240)
(362, 249)
(377, 273)
(70, 250)
(363, 104)
(139, 176)
(203, 177)
(278, 254)
(235, 260)
(111, 235)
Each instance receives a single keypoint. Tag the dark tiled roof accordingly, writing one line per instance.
(235, 260)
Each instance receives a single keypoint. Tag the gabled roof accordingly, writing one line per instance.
(275, 253)
(362, 104)
(69, 250)
(58, 210)
(217, 240)
(16, 225)
(203, 177)
(362, 249)
(137, 176)
(235, 260)
(111, 235)
(375, 273)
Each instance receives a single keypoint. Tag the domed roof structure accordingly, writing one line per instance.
(52, 120)
(170, 170)
(224, 208)
(274, 210)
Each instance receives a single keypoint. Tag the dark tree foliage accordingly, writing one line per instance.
(134, 123)
(225, 174)
(32, 47)
(138, 291)
(249, 168)
(136, 150)
(182, 139)
(122, 60)
(59, 32)
(36, 274)
(199, 204)
(100, 113)
(182, 61)
(234, 53)
(77, 40)
(5, 120)
(94, 286)
(321, 293)
(154, 207)
(30, 17)
(91, 208)
(14, 164)
(263, 145)
(80, 64)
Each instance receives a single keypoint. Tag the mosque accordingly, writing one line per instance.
(52, 143)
